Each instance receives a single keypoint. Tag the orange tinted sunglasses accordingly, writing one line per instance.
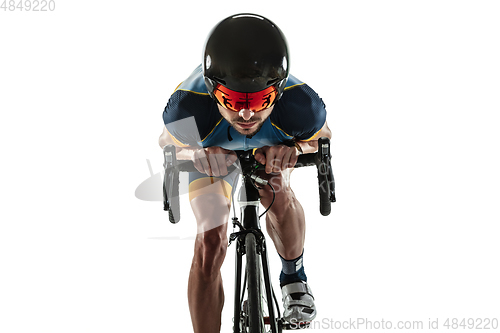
(236, 101)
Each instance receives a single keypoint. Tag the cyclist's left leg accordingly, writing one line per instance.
(285, 223)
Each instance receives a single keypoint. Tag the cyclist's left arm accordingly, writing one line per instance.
(311, 145)
(281, 157)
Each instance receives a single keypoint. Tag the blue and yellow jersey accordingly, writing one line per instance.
(193, 119)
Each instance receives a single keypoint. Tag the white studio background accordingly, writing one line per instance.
(411, 88)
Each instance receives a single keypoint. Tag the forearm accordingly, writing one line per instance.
(182, 153)
(311, 146)
(308, 147)
(185, 153)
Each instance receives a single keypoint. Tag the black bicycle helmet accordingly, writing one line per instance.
(246, 53)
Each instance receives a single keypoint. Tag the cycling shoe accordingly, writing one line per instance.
(298, 302)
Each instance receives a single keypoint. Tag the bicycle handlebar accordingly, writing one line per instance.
(320, 159)
(303, 161)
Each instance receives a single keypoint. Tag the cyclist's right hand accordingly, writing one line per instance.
(213, 161)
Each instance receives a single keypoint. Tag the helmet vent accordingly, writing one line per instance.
(273, 81)
(221, 81)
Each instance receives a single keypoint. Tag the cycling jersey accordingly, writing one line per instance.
(193, 118)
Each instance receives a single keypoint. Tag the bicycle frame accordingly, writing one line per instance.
(249, 201)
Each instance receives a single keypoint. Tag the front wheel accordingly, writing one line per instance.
(253, 272)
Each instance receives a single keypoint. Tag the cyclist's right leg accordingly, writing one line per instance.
(210, 204)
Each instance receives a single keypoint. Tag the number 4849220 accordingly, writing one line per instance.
(471, 323)
(28, 5)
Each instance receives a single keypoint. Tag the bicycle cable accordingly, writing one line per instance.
(259, 188)
(272, 202)
(233, 190)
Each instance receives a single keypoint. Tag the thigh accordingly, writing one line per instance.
(210, 199)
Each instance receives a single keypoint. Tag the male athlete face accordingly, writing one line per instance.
(246, 121)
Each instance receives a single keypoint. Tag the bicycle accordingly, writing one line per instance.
(250, 313)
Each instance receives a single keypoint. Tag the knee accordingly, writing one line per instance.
(211, 211)
(280, 186)
(210, 251)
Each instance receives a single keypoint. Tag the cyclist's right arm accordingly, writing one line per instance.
(212, 161)
(183, 152)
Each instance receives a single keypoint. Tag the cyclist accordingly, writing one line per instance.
(242, 97)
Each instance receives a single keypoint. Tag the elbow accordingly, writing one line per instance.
(162, 142)
(326, 132)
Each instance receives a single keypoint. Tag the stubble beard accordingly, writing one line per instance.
(247, 132)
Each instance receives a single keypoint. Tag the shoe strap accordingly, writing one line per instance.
(296, 287)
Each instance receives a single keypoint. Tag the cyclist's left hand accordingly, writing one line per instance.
(277, 158)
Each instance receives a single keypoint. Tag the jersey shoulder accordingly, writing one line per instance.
(190, 113)
(195, 83)
(300, 112)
